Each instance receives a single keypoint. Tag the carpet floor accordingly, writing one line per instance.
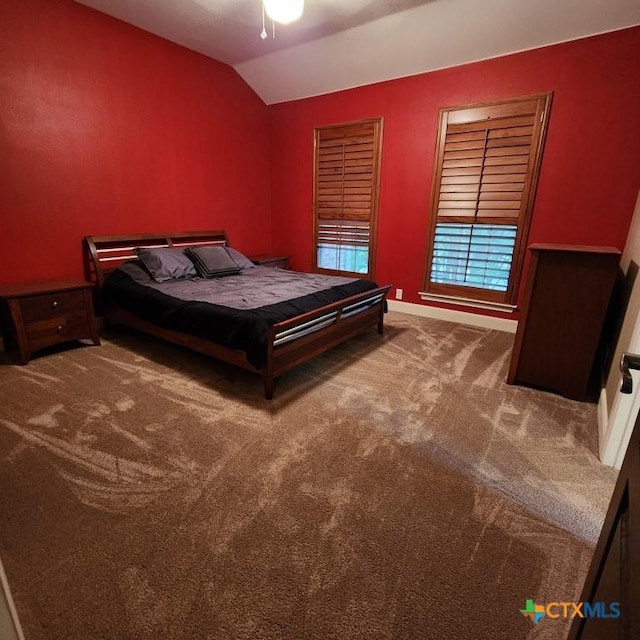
(395, 488)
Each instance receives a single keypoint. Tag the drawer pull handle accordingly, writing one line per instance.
(54, 304)
(59, 328)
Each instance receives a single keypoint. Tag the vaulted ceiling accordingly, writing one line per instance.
(339, 44)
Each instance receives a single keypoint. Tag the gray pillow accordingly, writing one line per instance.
(212, 262)
(166, 263)
(240, 259)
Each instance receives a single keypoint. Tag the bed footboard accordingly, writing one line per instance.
(300, 339)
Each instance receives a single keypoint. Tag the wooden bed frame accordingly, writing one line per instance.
(288, 343)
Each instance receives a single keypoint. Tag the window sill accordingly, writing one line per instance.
(468, 302)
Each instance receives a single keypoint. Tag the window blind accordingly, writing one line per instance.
(346, 176)
(473, 255)
(487, 162)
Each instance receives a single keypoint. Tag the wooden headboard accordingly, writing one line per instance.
(105, 253)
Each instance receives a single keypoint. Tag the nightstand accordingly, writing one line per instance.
(36, 315)
(267, 260)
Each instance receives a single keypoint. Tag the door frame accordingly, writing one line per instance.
(615, 432)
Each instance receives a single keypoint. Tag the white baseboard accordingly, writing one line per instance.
(451, 315)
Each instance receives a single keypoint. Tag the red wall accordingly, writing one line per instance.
(108, 129)
(590, 171)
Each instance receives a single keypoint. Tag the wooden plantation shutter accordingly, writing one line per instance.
(487, 163)
(345, 197)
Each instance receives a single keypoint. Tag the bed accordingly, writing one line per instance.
(269, 339)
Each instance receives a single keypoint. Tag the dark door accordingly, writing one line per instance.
(614, 575)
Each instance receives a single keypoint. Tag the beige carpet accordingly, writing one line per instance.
(395, 488)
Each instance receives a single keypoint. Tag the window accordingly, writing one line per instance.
(486, 170)
(345, 197)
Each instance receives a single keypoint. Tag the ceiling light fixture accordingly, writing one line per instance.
(283, 11)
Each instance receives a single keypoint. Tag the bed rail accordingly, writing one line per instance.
(290, 330)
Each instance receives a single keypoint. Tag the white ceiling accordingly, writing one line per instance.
(339, 44)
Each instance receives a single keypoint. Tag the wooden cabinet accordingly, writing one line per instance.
(566, 300)
(277, 262)
(41, 314)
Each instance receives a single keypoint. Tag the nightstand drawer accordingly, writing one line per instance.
(52, 305)
(45, 333)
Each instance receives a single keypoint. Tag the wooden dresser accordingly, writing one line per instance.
(566, 300)
(41, 314)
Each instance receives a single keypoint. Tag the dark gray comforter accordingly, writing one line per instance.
(251, 289)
